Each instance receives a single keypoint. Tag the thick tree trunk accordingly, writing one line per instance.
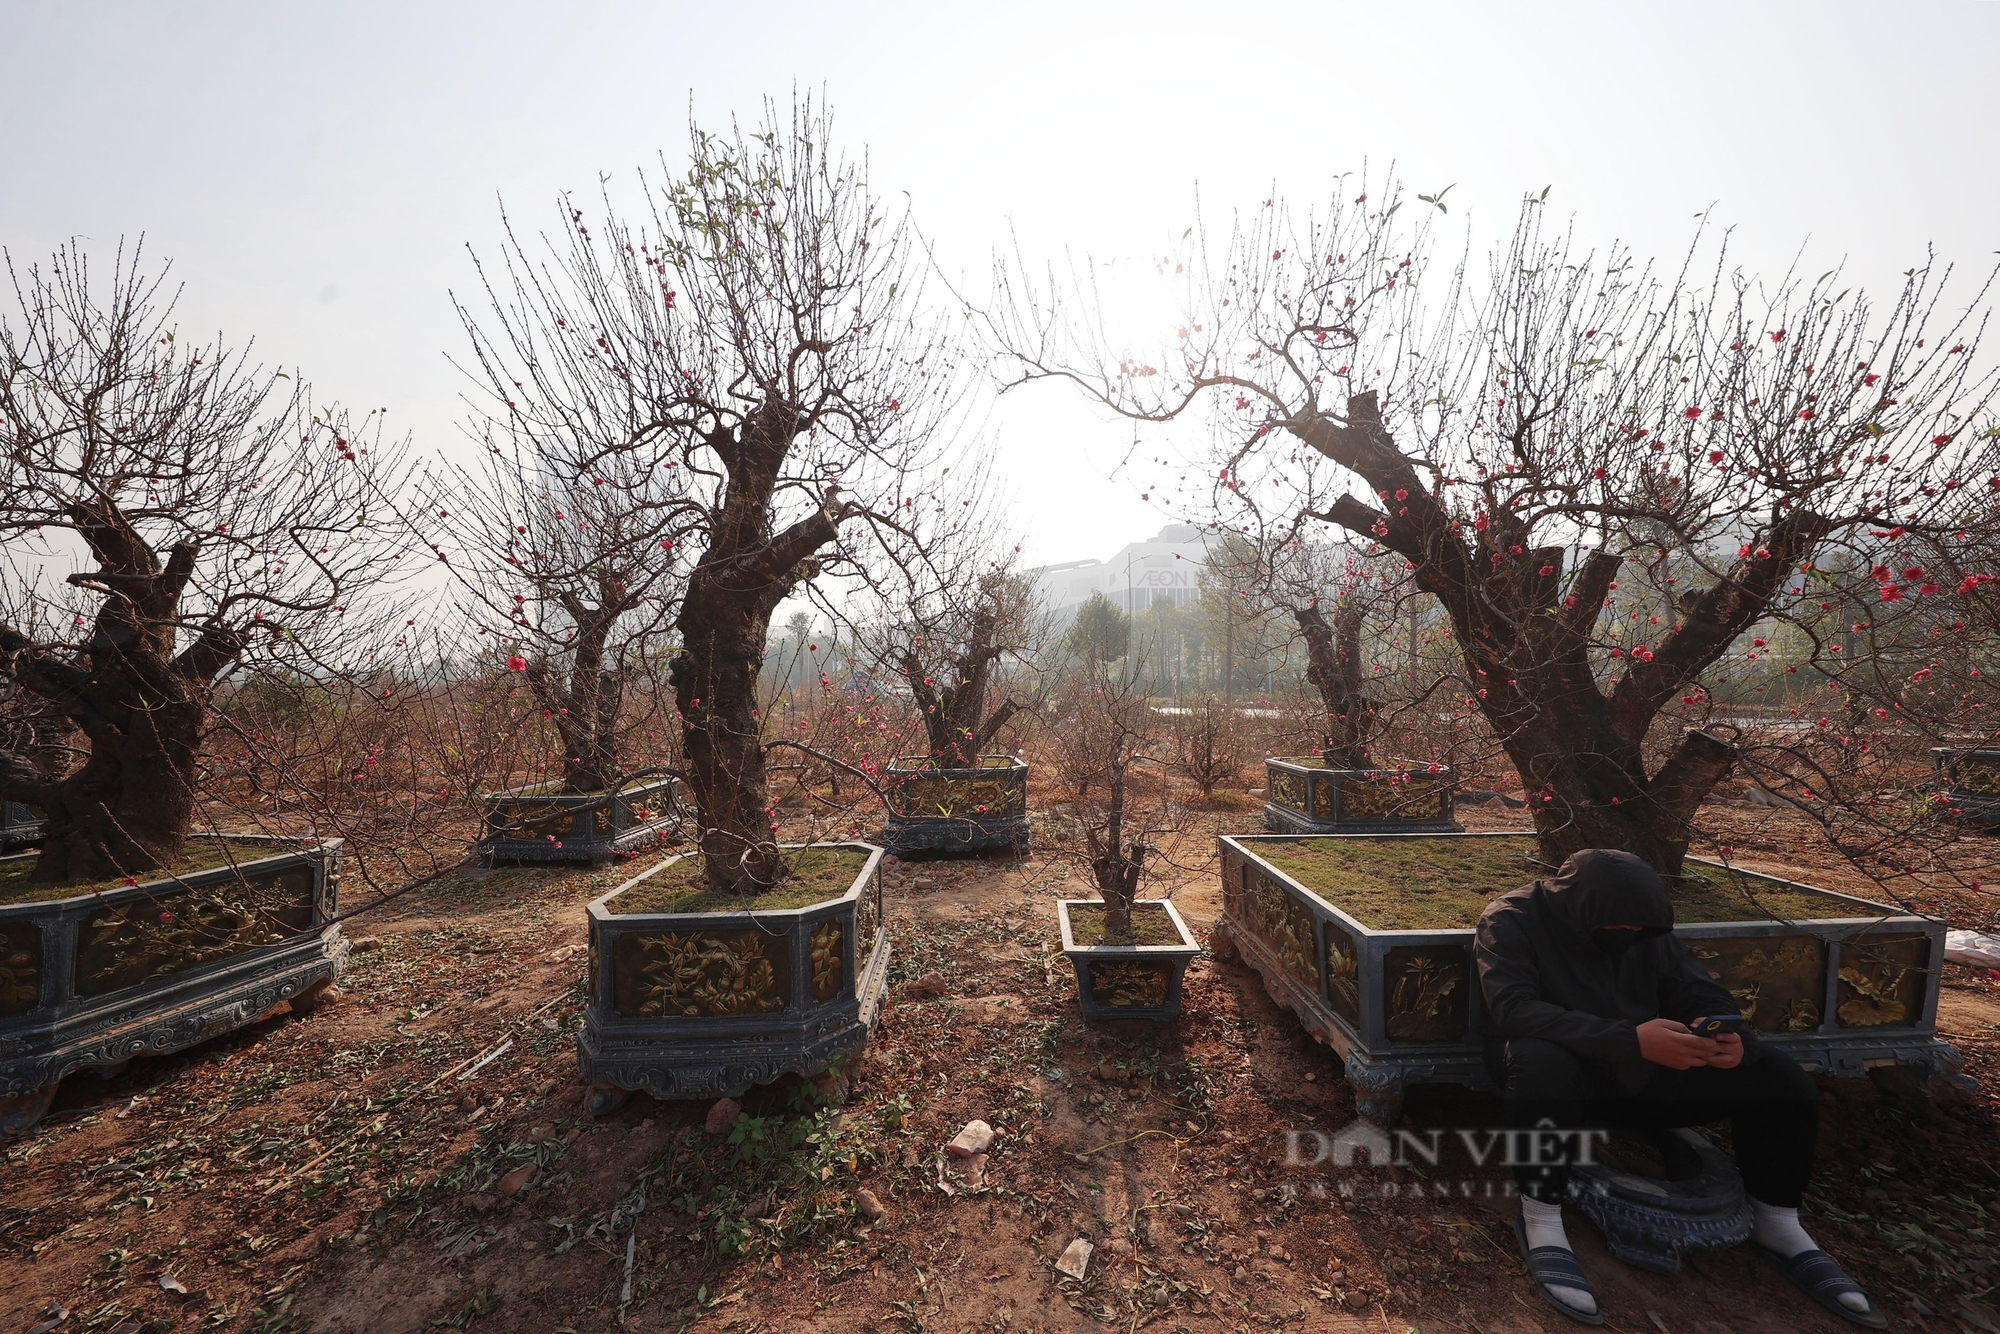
(128, 809)
(953, 730)
(725, 620)
(1333, 665)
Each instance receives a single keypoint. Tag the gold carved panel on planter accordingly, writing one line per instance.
(1423, 992)
(867, 913)
(1128, 984)
(180, 929)
(1977, 774)
(1343, 974)
(1283, 923)
(829, 968)
(1288, 789)
(935, 797)
(1779, 982)
(1322, 799)
(1881, 981)
(701, 974)
(531, 819)
(1381, 799)
(20, 967)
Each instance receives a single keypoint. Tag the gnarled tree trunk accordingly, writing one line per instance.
(724, 622)
(128, 809)
(1333, 665)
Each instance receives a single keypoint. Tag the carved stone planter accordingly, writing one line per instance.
(20, 825)
(1968, 784)
(1840, 983)
(709, 1004)
(92, 979)
(1129, 981)
(540, 824)
(933, 809)
(1303, 796)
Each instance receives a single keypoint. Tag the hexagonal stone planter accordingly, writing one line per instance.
(21, 825)
(543, 824)
(1303, 796)
(708, 1004)
(1368, 939)
(934, 809)
(1968, 784)
(91, 977)
(1137, 981)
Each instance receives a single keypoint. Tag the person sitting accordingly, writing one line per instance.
(1588, 999)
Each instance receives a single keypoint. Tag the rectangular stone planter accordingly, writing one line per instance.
(1303, 796)
(934, 809)
(21, 825)
(94, 979)
(1968, 784)
(539, 824)
(1852, 988)
(1129, 981)
(710, 1004)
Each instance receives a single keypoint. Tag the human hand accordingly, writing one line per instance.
(1668, 1042)
(1728, 1053)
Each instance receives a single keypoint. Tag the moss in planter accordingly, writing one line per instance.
(816, 875)
(17, 883)
(1420, 884)
(1150, 925)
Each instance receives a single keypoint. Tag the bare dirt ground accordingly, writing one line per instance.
(335, 1173)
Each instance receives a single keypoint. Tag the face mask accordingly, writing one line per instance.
(1614, 942)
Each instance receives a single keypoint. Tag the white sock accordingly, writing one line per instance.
(1778, 1230)
(1544, 1226)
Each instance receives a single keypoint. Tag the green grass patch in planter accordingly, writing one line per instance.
(815, 875)
(18, 885)
(1421, 884)
(1150, 925)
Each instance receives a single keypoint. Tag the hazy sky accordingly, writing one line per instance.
(316, 172)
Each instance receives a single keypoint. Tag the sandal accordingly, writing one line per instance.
(1821, 1278)
(1556, 1265)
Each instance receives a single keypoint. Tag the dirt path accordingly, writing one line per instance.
(333, 1174)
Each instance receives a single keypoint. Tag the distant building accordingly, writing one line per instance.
(1168, 568)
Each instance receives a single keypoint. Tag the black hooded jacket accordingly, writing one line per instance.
(1543, 976)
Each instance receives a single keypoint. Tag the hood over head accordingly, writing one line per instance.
(1599, 887)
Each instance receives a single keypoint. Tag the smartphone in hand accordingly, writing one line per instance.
(1715, 1025)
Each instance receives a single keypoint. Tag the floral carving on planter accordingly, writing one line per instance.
(1343, 974)
(696, 974)
(1881, 981)
(1391, 799)
(1426, 993)
(1283, 923)
(827, 970)
(1778, 982)
(146, 939)
(20, 967)
(1122, 985)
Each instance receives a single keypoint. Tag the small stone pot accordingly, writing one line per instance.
(710, 1004)
(1129, 981)
(933, 809)
(95, 978)
(1303, 796)
(540, 824)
